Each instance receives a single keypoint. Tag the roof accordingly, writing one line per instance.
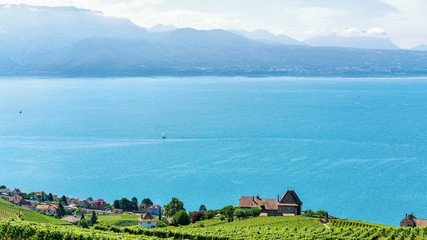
(16, 191)
(248, 202)
(290, 199)
(265, 203)
(52, 208)
(408, 219)
(70, 219)
(156, 206)
(147, 218)
(99, 201)
(17, 199)
(42, 207)
(421, 222)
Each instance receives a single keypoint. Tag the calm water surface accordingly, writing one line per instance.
(354, 147)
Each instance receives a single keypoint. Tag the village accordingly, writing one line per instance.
(74, 208)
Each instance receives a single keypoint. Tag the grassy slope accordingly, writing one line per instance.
(9, 210)
(122, 220)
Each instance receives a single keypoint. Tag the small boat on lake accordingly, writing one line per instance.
(163, 135)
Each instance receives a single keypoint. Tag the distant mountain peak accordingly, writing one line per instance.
(162, 28)
(262, 35)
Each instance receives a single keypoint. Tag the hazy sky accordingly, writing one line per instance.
(404, 21)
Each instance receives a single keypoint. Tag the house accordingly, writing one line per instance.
(155, 209)
(5, 191)
(16, 191)
(143, 208)
(288, 205)
(18, 200)
(147, 221)
(51, 210)
(99, 204)
(411, 221)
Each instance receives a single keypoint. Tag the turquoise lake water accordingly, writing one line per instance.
(354, 147)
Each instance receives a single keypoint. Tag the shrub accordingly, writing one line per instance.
(181, 218)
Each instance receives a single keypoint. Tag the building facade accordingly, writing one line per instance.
(288, 205)
(147, 221)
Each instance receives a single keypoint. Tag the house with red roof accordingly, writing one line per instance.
(99, 204)
(18, 200)
(288, 205)
(147, 221)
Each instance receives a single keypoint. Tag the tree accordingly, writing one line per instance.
(181, 218)
(240, 213)
(209, 214)
(2, 186)
(174, 206)
(43, 196)
(197, 216)
(63, 199)
(147, 202)
(202, 208)
(321, 214)
(60, 212)
(83, 223)
(116, 204)
(254, 212)
(94, 218)
(228, 212)
(83, 216)
(50, 197)
(309, 213)
(134, 204)
(125, 204)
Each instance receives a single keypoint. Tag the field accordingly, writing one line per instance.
(123, 220)
(276, 228)
(9, 210)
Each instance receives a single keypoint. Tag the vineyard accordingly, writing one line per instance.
(274, 228)
(254, 228)
(9, 210)
(353, 224)
(17, 229)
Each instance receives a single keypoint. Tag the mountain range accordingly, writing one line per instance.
(67, 41)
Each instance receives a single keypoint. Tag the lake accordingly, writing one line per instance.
(354, 147)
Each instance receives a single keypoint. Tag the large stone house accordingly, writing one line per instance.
(411, 221)
(155, 209)
(147, 221)
(288, 205)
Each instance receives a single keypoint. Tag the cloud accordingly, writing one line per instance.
(377, 32)
(355, 32)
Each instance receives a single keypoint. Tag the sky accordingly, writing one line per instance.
(403, 21)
